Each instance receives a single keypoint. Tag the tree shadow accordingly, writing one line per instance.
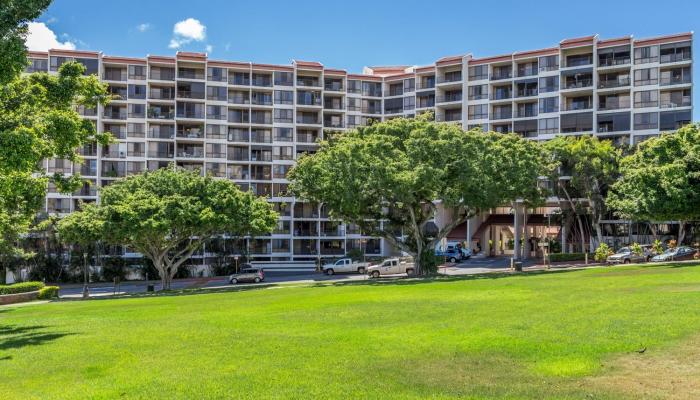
(16, 337)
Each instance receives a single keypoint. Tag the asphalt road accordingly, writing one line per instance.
(477, 265)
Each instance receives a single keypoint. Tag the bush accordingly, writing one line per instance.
(22, 287)
(114, 267)
(48, 293)
(636, 249)
(557, 257)
(602, 252)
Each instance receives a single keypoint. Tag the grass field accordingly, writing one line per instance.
(571, 334)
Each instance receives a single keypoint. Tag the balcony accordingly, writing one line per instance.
(501, 95)
(577, 106)
(425, 84)
(675, 55)
(163, 74)
(614, 104)
(613, 61)
(308, 99)
(501, 74)
(160, 113)
(450, 78)
(161, 94)
(333, 104)
(676, 101)
(501, 114)
(190, 94)
(333, 86)
(190, 152)
(333, 123)
(191, 73)
(110, 113)
(614, 83)
(578, 83)
(308, 119)
(448, 98)
(261, 81)
(262, 100)
(160, 153)
(239, 79)
(261, 119)
(190, 132)
(527, 92)
(579, 60)
(674, 80)
(308, 82)
(115, 74)
(161, 132)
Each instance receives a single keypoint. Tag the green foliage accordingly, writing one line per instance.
(602, 252)
(657, 247)
(355, 254)
(636, 249)
(429, 261)
(661, 180)
(558, 257)
(48, 293)
(22, 287)
(14, 16)
(167, 214)
(396, 170)
(114, 267)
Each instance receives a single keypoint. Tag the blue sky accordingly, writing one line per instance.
(353, 34)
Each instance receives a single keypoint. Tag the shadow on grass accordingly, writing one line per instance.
(16, 337)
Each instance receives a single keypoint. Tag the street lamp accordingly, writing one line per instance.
(86, 290)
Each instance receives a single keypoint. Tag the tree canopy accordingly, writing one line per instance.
(14, 16)
(590, 166)
(661, 180)
(167, 214)
(400, 171)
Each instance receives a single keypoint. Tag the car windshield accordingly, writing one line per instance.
(624, 250)
(670, 251)
(248, 271)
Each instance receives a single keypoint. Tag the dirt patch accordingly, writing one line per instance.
(656, 374)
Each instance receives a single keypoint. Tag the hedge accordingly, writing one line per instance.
(48, 293)
(22, 287)
(569, 257)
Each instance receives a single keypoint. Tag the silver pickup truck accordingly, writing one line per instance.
(391, 266)
(345, 265)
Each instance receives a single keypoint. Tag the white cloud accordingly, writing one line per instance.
(209, 48)
(186, 31)
(143, 27)
(42, 38)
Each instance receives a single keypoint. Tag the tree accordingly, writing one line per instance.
(167, 214)
(592, 165)
(661, 180)
(400, 171)
(14, 16)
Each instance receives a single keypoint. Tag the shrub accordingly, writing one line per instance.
(556, 257)
(48, 293)
(602, 252)
(672, 244)
(636, 248)
(114, 267)
(22, 287)
(657, 247)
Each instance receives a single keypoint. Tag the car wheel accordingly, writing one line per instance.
(330, 271)
(233, 281)
(627, 261)
(409, 271)
(361, 270)
(257, 280)
(453, 260)
(375, 274)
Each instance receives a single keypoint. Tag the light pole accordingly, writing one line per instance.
(86, 290)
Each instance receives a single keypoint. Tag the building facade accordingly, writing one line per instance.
(248, 122)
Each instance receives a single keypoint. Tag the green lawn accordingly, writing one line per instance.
(528, 336)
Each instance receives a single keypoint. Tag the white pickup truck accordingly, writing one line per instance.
(390, 267)
(345, 265)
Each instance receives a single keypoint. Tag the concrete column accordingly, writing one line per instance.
(526, 235)
(516, 229)
(563, 239)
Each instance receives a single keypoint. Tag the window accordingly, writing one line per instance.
(549, 84)
(478, 72)
(137, 72)
(580, 122)
(616, 122)
(283, 153)
(217, 93)
(549, 105)
(479, 111)
(37, 65)
(646, 98)
(409, 85)
(409, 103)
(284, 78)
(478, 92)
(674, 52)
(675, 98)
(527, 128)
(645, 55)
(548, 125)
(649, 76)
(672, 120)
(282, 115)
(217, 74)
(284, 97)
(137, 110)
(284, 134)
(137, 91)
(549, 63)
(527, 69)
(646, 121)
(675, 76)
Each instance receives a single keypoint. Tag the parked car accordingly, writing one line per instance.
(391, 266)
(676, 254)
(345, 265)
(625, 256)
(452, 254)
(250, 274)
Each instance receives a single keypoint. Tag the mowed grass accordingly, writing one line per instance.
(547, 335)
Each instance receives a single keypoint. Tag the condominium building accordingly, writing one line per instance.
(248, 122)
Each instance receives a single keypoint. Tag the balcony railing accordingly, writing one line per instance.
(160, 154)
(155, 113)
(577, 106)
(333, 124)
(613, 83)
(190, 94)
(501, 75)
(676, 57)
(674, 80)
(308, 82)
(191, 153)
(685, 102)
(239, 80)
(449, 98)
(582, 83)
(609, 62)
(526, 92)
(450, 79)
(334, 87)
(161, 133)
(614, 104)
(303, 119)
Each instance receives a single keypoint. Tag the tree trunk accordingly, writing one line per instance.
(652, 228)
(581, 232)
(681, 232)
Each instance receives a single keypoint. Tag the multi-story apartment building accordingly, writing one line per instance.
(248, 122)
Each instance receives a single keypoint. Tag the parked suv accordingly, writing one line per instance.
(452, 254)
(676, 254)
(625, 256)
(251, 274)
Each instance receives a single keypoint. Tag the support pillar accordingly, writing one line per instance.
(516, 230)
(526, 235)
(563, 239)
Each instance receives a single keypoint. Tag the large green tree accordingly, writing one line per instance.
(14, 16)
(403, 170)
(37, 122)
(584, 167)
(661, 180)
(167, 214)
